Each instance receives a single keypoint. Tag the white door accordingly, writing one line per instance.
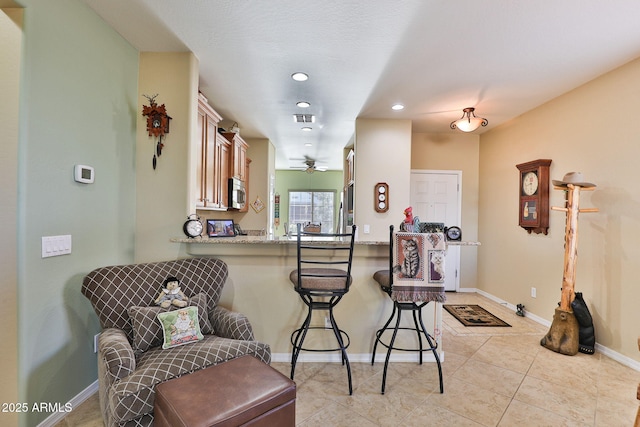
(435, 197)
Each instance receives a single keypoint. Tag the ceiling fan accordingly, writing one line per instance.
(311, 166)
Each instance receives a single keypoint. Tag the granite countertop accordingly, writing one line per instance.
(243, 240)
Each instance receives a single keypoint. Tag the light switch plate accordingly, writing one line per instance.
(56, 245)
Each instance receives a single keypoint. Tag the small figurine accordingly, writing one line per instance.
(410, 224)
(171, 294)
(520, 310)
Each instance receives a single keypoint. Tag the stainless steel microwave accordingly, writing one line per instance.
(237, 194)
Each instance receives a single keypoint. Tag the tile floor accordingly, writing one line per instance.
(492, 377)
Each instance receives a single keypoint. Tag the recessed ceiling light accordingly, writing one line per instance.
(306, 129)
(303, 104)
(299, 77)
(308, 144)
(397, 107)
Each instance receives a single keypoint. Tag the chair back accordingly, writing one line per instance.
(391, 256)
(113, 289)
(324, 262)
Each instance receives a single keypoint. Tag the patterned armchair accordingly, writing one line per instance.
(131, 361)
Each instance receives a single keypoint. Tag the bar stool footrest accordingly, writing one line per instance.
(379, 333)
(342, 333)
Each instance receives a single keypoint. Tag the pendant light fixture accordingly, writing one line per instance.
(468, 122)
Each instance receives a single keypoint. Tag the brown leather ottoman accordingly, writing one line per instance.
(241, 392)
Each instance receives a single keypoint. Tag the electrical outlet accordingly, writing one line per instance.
(327, 322)
(533, 292)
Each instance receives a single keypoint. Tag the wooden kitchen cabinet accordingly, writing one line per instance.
(238, 155)
(247, 162)
(223, 150)
(212, 168)
(350, 166)
(221, 155)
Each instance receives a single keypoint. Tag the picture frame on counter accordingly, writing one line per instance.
(221, 228)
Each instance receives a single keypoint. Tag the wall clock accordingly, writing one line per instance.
(157, 124)
(381, 197)
(193, 226)
(157, 118)
(533, 200)
(453, 233)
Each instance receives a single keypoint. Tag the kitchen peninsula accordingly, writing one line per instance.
(259, 286)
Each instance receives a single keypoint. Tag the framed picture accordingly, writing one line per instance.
(257, 205)
(436, 266)
(409, 256)
(221, 228)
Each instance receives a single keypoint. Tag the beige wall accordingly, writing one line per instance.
(456, 152)
(163, 199)
(382, 154)
(591, 130)
(10, 42)
(261, 153)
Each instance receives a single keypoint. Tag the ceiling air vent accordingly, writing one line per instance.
(304, 118)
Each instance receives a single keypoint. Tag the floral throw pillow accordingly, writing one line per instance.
(180, 327)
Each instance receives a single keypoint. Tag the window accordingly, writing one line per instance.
(312, 206)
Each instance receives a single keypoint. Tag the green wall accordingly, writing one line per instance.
(300, 180)
(78, 98)
(10, 46)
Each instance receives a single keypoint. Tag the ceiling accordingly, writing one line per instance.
(502, 57)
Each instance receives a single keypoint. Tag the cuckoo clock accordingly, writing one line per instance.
(157, 123)
(157, 118)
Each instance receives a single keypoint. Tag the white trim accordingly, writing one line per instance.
(56, 417)
(620, 358)
(533, 317)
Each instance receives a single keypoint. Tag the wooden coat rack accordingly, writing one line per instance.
(564, 332)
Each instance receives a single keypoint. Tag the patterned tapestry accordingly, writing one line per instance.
(418, 272)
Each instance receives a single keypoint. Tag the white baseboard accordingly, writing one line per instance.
(620, 358)
(56, 417)
(533, 317)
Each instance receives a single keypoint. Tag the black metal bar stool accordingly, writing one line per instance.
(385, 280)
(322, 278)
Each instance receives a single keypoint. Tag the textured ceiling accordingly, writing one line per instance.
(503, 57)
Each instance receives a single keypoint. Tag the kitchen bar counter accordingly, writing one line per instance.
(259, 286)
(261, 240)
(265, 240)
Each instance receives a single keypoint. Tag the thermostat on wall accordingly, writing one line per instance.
(83, 174)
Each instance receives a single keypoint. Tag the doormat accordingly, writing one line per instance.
(473, 315)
